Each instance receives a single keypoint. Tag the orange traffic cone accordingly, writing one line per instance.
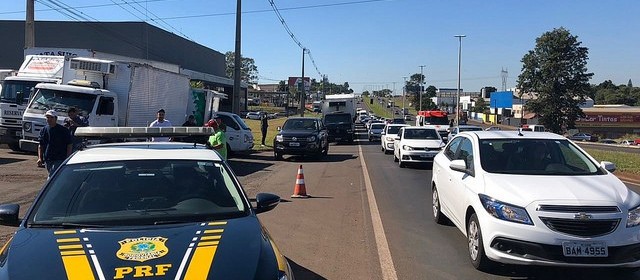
(300, 191)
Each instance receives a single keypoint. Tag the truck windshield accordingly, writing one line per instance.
(60, 101)
(436, 120)
(16, 92)
(337, 118)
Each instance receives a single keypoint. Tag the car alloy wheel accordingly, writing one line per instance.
(401, 164)
(476, 245)
(435, 201)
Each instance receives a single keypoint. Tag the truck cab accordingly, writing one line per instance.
(98, 106)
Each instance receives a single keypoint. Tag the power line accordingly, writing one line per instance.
(130, 3)
(72, 13)
(79, 7)
(293, 36)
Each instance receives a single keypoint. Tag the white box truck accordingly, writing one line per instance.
(126, 94)
(16, 90)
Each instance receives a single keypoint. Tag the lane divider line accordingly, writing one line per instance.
(384, 254)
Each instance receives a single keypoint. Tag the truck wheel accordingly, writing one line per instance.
(15, 147)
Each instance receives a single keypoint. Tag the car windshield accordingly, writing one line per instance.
(535, 156)
(300, 124)
(421, 134)
(241, 122)
(393, 129)
(139, 192)
(61, 101)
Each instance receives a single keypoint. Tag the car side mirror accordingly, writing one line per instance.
(609, 166)
(266, 202)
(460, 166)
(9, 215)
(382, 133)
(396, 138)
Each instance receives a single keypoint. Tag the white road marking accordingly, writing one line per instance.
(384, 254)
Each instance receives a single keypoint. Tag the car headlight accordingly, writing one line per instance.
(279, 138)
(633, 218)
(26, 126)
(389, 138)
(246, 139)
(311, 138)
(504, 211)
(408, 148)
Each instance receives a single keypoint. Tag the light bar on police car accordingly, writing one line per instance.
(124, 132)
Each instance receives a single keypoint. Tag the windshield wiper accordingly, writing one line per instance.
(155, 210)
(64, 225)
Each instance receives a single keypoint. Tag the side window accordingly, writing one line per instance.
(401, 133)
(466, 152)
(229, 122)
(452, 148)
(105, 106)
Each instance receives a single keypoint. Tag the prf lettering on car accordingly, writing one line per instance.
(142, 271)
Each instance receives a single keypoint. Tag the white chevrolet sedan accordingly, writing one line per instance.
(415, 144)
(535, 198)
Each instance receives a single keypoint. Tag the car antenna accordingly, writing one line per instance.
(520, 132)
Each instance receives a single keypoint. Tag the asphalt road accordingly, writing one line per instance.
(332, 235)
(420, 248)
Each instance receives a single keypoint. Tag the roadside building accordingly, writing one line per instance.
(138, 40)
(610, 121)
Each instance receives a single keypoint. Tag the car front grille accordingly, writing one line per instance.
(297, 139)
(581, 228)
(578, 209)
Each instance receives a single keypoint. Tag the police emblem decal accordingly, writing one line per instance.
(142, 248)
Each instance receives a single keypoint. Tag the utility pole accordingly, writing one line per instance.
(235, 101)
(29, 32)
(404, 92)
(302, 88)
(458, 91)
(421, 85)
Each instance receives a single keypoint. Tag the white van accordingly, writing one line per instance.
(533, 127)
(239, 136)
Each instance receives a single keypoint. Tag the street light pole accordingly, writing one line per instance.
(458, 91)
(421, 85)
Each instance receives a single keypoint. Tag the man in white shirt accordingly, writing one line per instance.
(160, 122)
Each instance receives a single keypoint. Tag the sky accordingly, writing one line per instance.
(373, 44)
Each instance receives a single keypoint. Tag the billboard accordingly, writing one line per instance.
(295, 81)
(501, 99)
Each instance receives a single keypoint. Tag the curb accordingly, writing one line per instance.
(627, 179)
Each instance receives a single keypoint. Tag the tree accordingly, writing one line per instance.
(248, 72)
(556, 70)
(427, 103)
(481, 106)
